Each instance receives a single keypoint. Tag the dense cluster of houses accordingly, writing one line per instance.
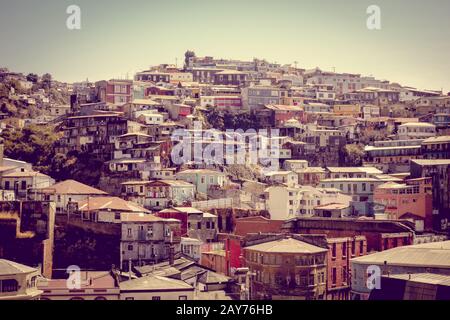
(209, 230)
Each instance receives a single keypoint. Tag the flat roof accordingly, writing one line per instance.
(431, 255)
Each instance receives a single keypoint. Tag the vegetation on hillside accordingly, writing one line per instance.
(36, 145)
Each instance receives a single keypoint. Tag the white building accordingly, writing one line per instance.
(203, 179)
(18, 282)
(23, 181)
(192, 248)
(416, 130)
(286, 203)
(360, 189)
(288, 178)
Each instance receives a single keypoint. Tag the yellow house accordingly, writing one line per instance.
(348, 110)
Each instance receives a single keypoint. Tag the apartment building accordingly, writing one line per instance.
(118, 92)
(147, 239)
(194, 223)
(284, 202)
(95, 134)
(439, 171)
(361, 190)
(286, 268)
(412, 197)
(436, 148)
(416, 130)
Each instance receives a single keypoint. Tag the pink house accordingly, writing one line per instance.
(414, 197)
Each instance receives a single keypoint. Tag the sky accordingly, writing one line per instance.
(119, 38)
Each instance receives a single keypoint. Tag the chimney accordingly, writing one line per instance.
(2, 149)
(171, 250)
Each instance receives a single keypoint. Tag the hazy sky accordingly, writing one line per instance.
(120, 37)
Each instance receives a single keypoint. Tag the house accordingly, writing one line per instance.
(228, 103)
(313, 107)
(66, 193)
(287, 178)
(293, 165)
(392, 155)
(310, 176)
(230, 77)
(203, 179)
(106, 209)
(118, 92)
(59, 110)
(258, 96)
(153, 287)
(436, 148)
(93, 285)
(194, 223)
(191, 248)
(413, 197)
(18, 282)
(333, 210)
(439, 171)
(416, 130)
(287, 268)
(147, 239)
(162, 194)
(23, 181)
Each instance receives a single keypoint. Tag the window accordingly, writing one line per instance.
(156, 298)
(9, 285)
(361, 247)
(333, 251)
(199, 225)
(344, 250)
(334, 276)
(130, 247)
(23, 185)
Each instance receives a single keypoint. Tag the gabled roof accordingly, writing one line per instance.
(111, 203)
(8, 267)
(154, 283)
(288, 245)
(72, 187)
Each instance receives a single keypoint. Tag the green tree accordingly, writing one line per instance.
(32, 77)
(354, 155)
(189, 54)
